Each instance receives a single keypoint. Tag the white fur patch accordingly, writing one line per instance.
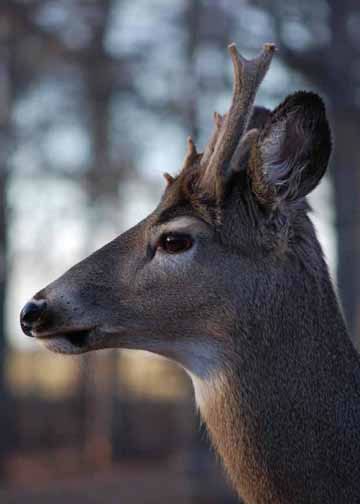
(204, 366)
(206, 389)
(201, 390)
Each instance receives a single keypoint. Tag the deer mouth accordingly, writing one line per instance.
(68, 341)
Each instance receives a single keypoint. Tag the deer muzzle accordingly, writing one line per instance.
(39, 319)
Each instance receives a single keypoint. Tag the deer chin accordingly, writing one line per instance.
(75, 341)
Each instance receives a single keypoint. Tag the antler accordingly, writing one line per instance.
(248, 75)
(191, 154)
(209, 149)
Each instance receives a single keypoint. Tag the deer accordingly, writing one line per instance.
(227, 278)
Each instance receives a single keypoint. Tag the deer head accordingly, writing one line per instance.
(212, 273)
(182, 281)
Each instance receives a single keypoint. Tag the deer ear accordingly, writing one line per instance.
(291, 152)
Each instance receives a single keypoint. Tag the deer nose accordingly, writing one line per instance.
(31, 315)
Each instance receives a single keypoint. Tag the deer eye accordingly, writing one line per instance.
(175, 243)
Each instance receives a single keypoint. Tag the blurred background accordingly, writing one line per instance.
(96, 101)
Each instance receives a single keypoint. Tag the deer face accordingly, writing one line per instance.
(202, 267)
(139, 291)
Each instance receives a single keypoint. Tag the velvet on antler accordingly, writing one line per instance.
(230, 128)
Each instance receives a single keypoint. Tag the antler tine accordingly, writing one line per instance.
(209, 149)
(191, 154)
(169, 178)
(248, 75)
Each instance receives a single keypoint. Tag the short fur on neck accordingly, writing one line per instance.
(283, 409)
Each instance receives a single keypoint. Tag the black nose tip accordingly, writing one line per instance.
(31, 314)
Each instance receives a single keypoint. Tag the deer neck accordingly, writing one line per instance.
(272, 408)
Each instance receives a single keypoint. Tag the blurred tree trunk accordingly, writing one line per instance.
(192, 17)
(6, 99)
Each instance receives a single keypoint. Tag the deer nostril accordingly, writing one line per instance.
(31, 314)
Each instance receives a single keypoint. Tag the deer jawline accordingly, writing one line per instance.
(69, 342)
